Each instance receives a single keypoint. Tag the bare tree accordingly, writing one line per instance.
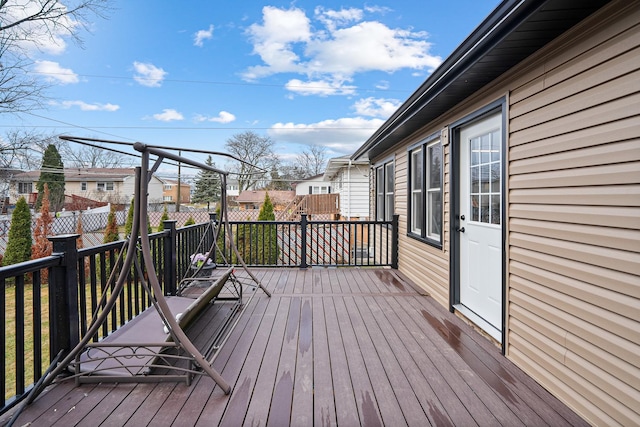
(93, 157)
(23, 149)
(31, 25)
(257, 152)
(312, 160)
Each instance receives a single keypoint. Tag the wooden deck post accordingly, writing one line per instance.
(170, 258)
(303, 241)
(63, 296)
(394, 241)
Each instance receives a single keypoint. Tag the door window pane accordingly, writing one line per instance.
(485, 174)
(495, 209)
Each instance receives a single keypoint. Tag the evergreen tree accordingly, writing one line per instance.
(163, 218)
(207, 185)
(128, 224)
(266, 210)
(52, 174)
(189, 221)
(266, 235)
(111, 232)
(19, 243)
(42, 246)
(80, 245)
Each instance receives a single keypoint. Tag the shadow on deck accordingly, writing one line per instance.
(350, 346)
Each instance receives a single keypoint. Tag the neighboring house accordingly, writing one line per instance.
(114, 185)
(350, 179)
(6, 174)
(170, 191)
(515, 172)
(233, 187)
(253, 199)
(312, 185)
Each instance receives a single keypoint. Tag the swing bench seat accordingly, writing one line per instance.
(132, 352)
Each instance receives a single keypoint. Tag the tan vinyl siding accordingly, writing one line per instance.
(573, 214)
(424, 264)
(574, 220)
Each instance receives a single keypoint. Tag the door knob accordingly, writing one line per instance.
(460, 229)
(462, 217)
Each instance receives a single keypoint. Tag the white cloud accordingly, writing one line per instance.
(321, 88)
(376, 107)
(274, 41)
(202, 35)
(168, 115)
(55, 73)
(222, 117)
(382, 85)
(148, 74)
(49, 39)
(90, 107)
(370, 46)
(339, 45)
(343, 135)
(337, 18)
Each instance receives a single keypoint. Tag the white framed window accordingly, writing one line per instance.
(167, 198)
(83, 186)
(104, 185)
(384, 191)
(425, 190)
(25, 187)
(320, 189)
(417, 211)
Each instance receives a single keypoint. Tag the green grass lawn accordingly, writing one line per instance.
(29, 329)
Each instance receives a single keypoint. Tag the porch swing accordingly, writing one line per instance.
(153, 346)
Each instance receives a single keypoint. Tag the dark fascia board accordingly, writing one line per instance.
(513, 31)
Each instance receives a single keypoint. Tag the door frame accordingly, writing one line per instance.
(498, 106)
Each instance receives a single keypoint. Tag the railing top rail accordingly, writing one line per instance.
(30, 266)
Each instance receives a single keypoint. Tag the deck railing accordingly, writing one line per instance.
(49, 302)
(308, 243)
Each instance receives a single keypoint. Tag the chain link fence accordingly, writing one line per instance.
(94, 223)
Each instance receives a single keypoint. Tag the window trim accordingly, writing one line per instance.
(24, 185)
(105, 185)
(381, 208)
(422, 233)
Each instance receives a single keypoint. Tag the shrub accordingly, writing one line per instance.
(42, 246)
(128, 225)
(266, 235)
(163, 218)
(111, 232)
(19, 243)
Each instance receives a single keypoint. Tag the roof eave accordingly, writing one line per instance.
(450, 83)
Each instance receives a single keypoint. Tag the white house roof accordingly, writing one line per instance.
(335, 164)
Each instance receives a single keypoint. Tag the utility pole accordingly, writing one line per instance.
(179, 183)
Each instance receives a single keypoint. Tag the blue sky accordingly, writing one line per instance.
(326, 73)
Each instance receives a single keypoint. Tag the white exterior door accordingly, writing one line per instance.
(480, 229)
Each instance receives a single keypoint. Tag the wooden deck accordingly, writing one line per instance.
(341, 347)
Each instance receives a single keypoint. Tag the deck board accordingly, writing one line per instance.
(324, 405)
(332, 346)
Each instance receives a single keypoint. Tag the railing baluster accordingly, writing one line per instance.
(37, 325)
(19, 334)
(3, 336)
